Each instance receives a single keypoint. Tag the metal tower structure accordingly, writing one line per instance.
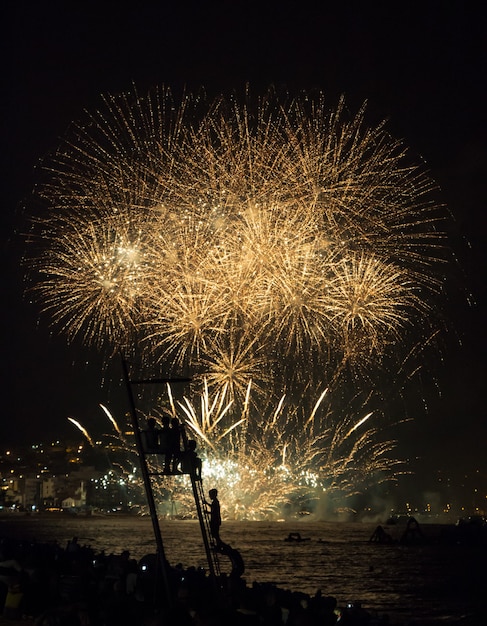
(148, 476)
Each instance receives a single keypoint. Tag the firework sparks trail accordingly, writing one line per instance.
(273, 243)
(282, 469)
(82, 429)
(112, 419)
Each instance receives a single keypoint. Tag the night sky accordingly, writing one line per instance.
(422, 69)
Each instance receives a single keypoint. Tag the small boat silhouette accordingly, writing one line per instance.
(296, 537)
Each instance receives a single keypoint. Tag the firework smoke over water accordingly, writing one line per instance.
(268, 241)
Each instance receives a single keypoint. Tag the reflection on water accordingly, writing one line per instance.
(429, 581)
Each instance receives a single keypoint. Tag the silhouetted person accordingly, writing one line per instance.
(165, 443)
(190, 461)
(150, 437)
(174, 449)
(215, 516)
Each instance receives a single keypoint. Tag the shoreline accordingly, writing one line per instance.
(91, 589)
(272, 539)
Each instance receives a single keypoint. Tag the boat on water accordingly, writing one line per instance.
(296, 538)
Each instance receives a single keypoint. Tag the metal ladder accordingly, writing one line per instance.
(203, 516)
(196, 484)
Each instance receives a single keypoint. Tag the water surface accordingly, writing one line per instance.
(433, 583)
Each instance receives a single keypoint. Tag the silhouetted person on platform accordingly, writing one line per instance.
(174, 449)
(165, 443)
(150, 437)
(215, 517)
(190, 461)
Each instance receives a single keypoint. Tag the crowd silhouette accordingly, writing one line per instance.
(73, 585)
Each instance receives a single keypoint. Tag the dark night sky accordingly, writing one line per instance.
(423, 69)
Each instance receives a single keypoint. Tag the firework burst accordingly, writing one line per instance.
(272, 242)
(279, 217)
(283, 465)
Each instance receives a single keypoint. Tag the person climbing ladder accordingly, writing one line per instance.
(215, 517)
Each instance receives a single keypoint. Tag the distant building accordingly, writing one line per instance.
(68, 503)
(31, 493)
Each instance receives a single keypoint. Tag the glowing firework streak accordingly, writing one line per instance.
(211, 414)
(111, 418)
(315, 408)
(82, 429)
(359, 423)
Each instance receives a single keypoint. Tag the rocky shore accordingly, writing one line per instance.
(51, 585)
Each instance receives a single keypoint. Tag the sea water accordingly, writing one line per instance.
(437, 582)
